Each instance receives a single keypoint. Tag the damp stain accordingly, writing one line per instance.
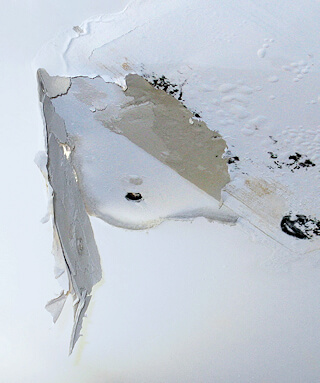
(260, 187)
(126, 66)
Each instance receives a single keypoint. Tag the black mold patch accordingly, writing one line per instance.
(134, 197)
(169, 87)
(295, 161)
(164, 84)
(233, 160)
(300, 226)
(298, 163)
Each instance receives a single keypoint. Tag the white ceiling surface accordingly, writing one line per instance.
(254, 77)
(184, 302)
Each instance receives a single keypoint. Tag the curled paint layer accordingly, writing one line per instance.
(70, 220)
(53, 86)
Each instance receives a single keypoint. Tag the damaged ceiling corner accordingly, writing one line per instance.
(70, 219)
(149, 118)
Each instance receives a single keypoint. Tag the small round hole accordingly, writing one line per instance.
(134, 197)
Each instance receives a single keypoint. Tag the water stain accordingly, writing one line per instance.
(260, 187)
(126, 66)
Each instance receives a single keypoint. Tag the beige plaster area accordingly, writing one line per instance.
(163, 127)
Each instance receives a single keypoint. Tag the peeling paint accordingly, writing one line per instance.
(154, 121)
(257, 98)
(52, 86)
(70, 220)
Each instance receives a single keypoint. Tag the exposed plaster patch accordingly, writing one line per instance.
(154, 121)
(159, 124)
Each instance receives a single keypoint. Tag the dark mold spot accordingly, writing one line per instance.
(134, 197)
(298, 163)
(164, 84)
(233, 160)
(273, 155)
(300, 226)
(295, 162)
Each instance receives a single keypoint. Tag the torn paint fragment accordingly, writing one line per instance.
(70, 220)
(55, 305)
(53, 86)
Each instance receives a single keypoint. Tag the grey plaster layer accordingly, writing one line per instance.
(163, 127)
(71, 220)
